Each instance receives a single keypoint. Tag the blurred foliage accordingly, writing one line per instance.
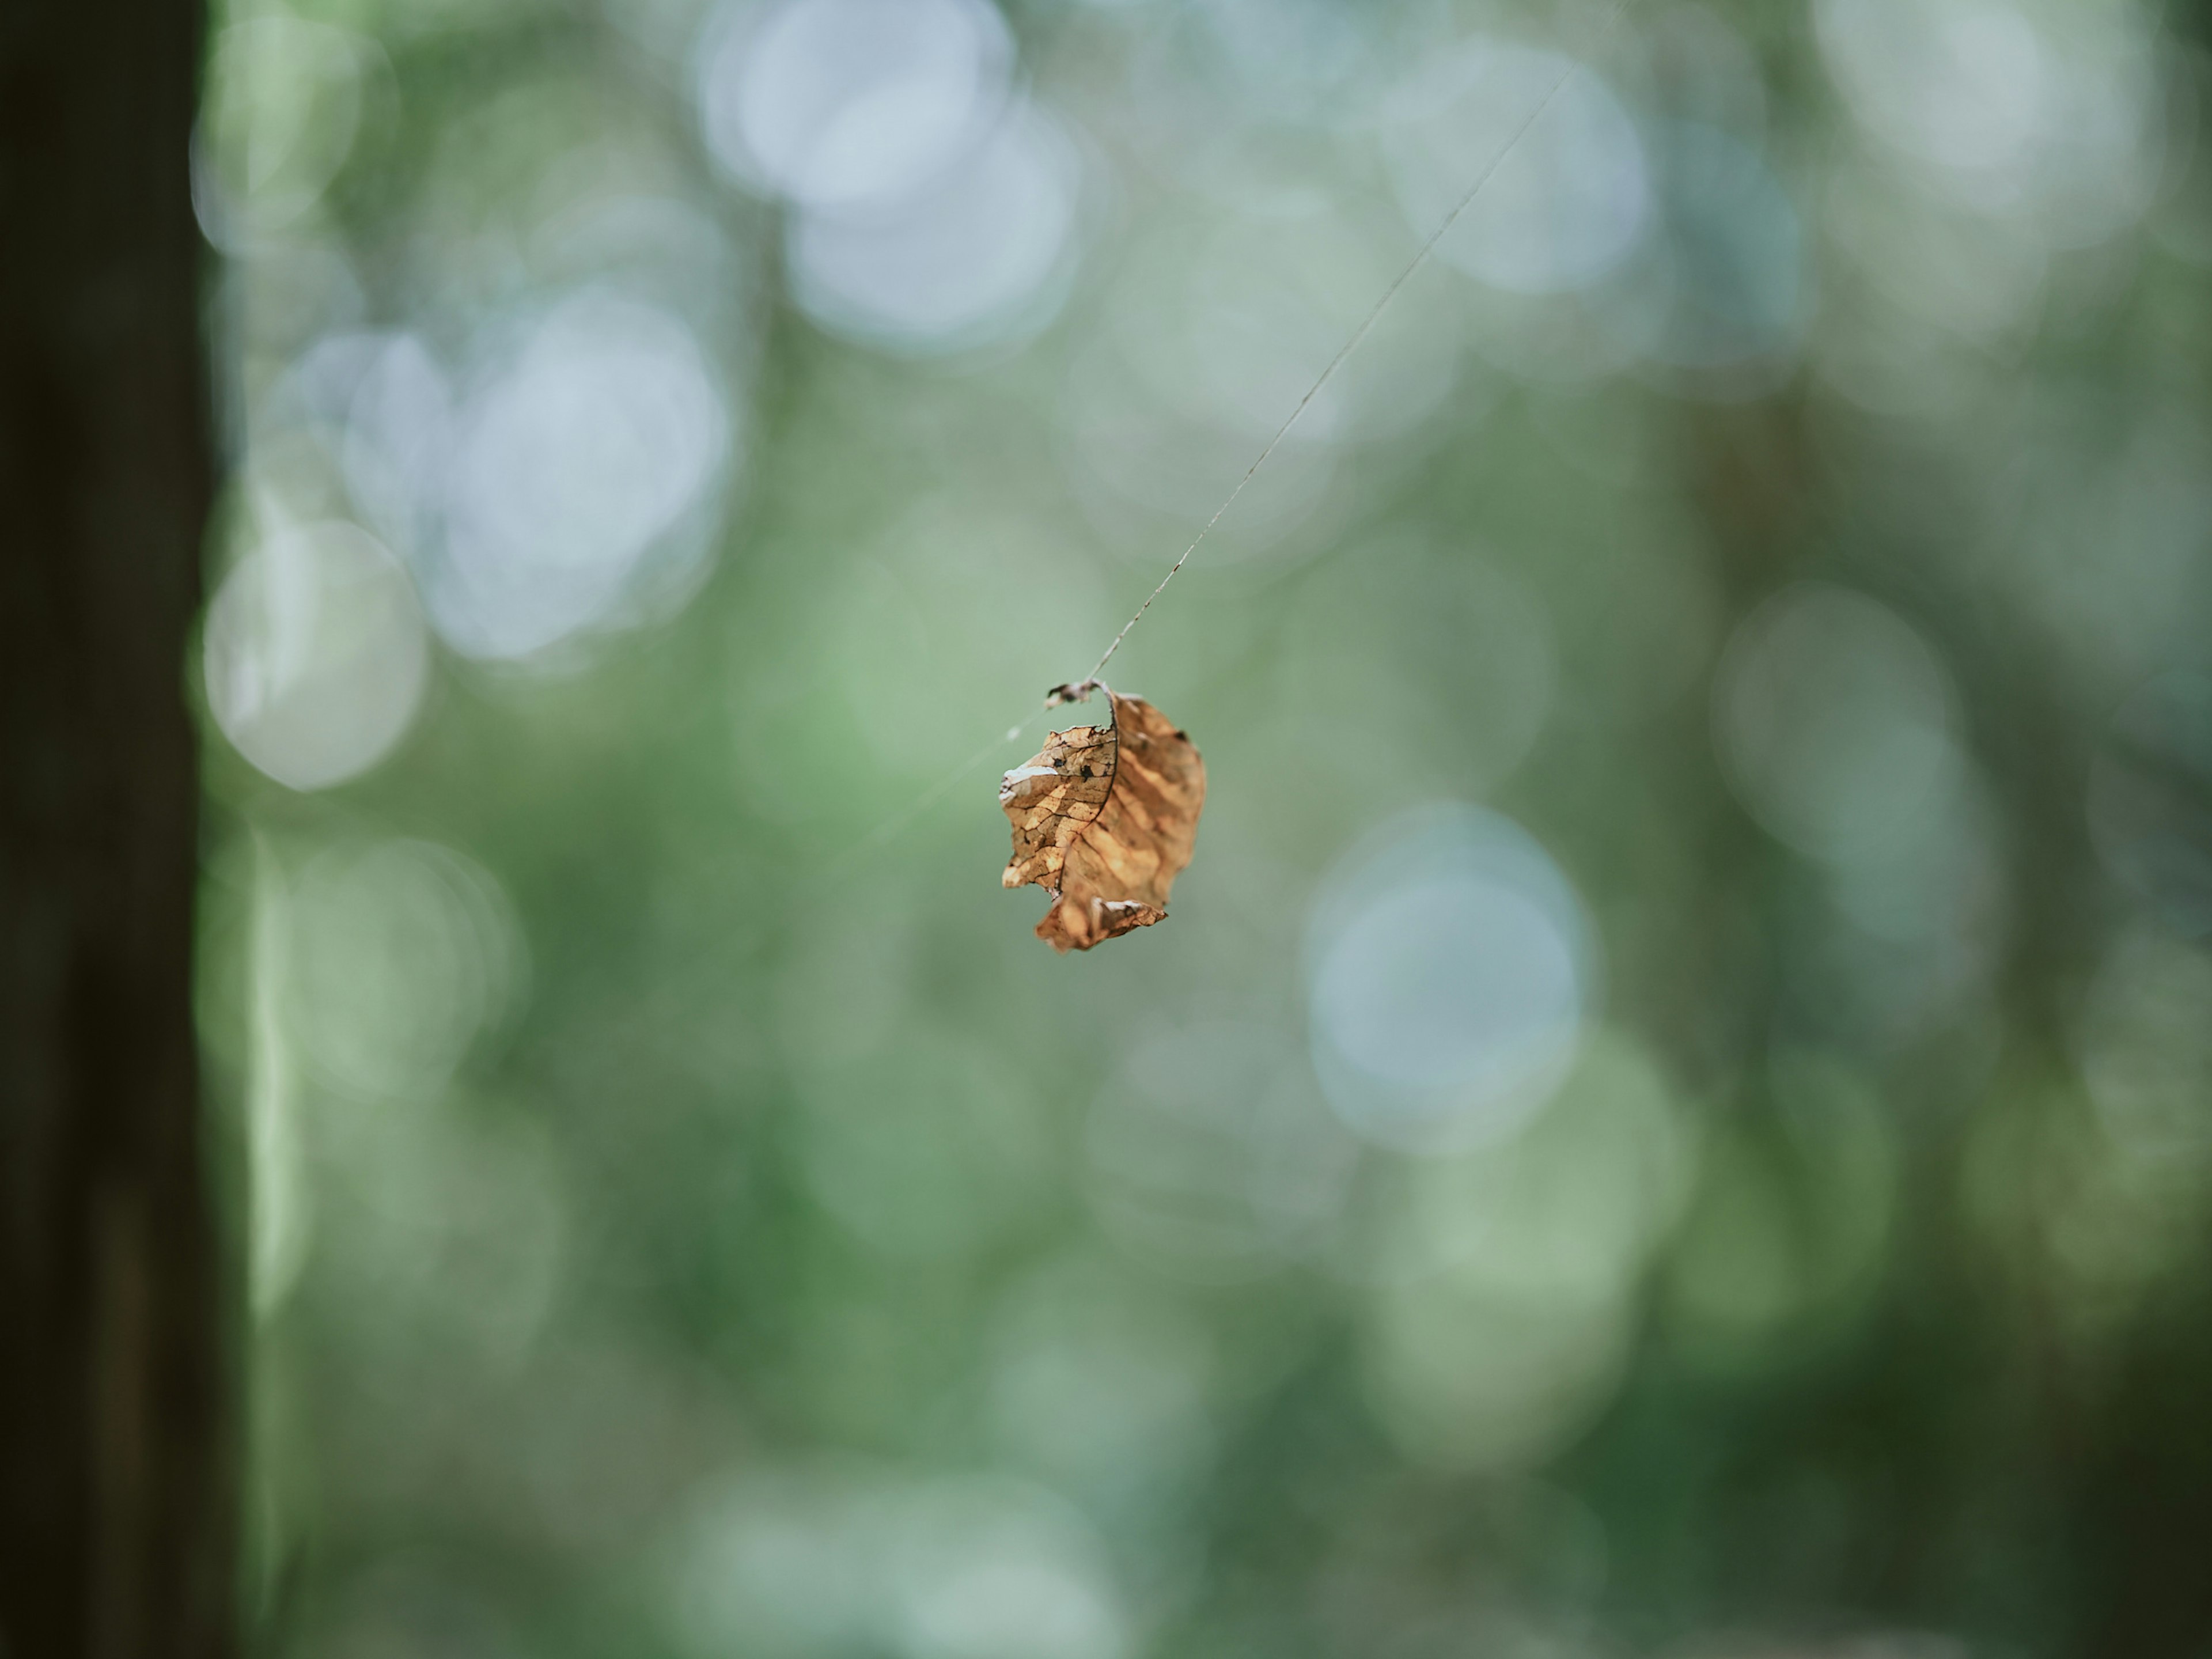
(1674, 1111)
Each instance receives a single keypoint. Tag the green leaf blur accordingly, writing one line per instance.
(1673, 1111)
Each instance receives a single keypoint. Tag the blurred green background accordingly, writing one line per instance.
(1673, 1114)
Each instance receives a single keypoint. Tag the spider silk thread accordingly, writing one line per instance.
(890, 827)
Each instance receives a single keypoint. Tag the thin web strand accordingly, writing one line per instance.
(884, 831)
(1353, 344)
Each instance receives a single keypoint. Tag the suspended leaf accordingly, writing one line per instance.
(1104, 817)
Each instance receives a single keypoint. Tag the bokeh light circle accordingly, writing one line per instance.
(836, 104)
(970, 259)
(282, 111)
(1959, 82)
(316, 656)
(400, 955)
(398, 432)
(1833, 719)
(1501, 1282)
(851, 1558)
(2051, 114)
(575, 458)
(1451, 969)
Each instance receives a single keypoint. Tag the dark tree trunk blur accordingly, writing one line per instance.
(114, 1487)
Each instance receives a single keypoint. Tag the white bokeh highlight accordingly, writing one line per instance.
(315, 655)
(1451, 970)
(398, 431)
(1959, 82)
(2049, 113)
(576, 457)
(844, 104)
(932, 205)
(972, 258)
(282, 108)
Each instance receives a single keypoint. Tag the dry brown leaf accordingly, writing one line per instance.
(1104, 817)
